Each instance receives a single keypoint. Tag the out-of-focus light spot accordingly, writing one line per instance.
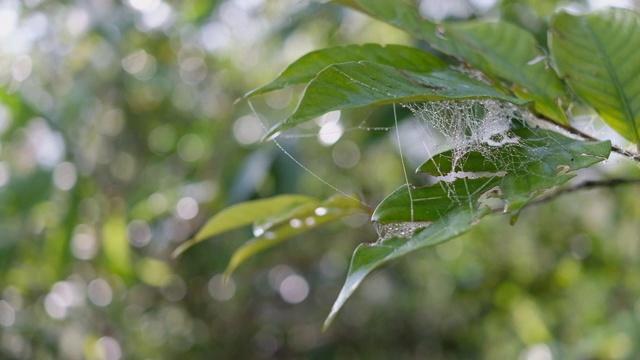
(7, 314)
(174, 289)
(112, 122)
(537, 352)
(330, 129)
(21, 68)
(84, 244)
(8, 17)
(63, 295)
(162, 139)
(321, 211)
(331, 117)
(277, 274)
(346, 154)
(296, 223)
(294, 289)
(4, 174)
(48, 145)
(247, 130)
(190, 147)
(100, 292)
(214, 36)
(219, 290)
(160, 17)
(144, 5)
(157, 203)
(78, 22)
(65, 176)
(187, 208)
(193, 70)
(310, 221)
(140, 64)
(153, 272)
(54, 306)
(330, 133)
(108, 348)
(139, 233)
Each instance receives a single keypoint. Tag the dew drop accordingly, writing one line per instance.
(403, 230)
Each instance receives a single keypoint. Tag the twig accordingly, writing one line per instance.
(590, 184)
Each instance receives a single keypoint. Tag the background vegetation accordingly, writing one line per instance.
(119, 137)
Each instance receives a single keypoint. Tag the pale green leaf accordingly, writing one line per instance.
(244, 214)
(596, 54)
(273, 230)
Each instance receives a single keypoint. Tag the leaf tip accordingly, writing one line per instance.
(183, 247)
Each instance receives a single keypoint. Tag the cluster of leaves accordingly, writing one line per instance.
(588, 61)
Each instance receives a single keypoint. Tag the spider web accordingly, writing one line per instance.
(467, 126)
(465, 130)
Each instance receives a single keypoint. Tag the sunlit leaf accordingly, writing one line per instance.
(541, 160)
(307, 67)
(597, 56)
(276, 229)
(498, 49)
(355, 84)
(244, 214)
(115, 245)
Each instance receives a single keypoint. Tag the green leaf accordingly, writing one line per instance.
(541, 160)
(367, 258)
(244, 214)
(596, 54)
(506, 51)
(307, 67)
(498, 49)
(355, 84)
(273, 230)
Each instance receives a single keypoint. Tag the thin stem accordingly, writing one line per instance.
(590, 184)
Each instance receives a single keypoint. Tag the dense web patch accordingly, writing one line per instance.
(479, 126)
(468, 125)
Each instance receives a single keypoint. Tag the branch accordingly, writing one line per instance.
(591, 184)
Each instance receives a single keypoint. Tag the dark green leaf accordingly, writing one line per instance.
(541, 160)
(355, 84)
(308, 66)
(498, 49)
(597, 56)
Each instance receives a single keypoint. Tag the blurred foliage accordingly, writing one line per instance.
(119, 137)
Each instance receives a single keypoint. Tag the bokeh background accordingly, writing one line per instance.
(119, 138)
